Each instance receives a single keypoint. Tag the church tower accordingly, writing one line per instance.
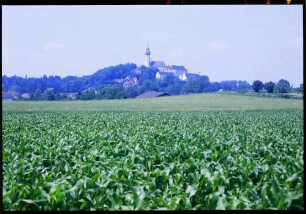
(148, 60)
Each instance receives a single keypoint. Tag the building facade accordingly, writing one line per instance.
(163, 70)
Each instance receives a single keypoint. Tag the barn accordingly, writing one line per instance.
(152, 94)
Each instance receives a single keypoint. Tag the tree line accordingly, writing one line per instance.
(114, 83)
(282, 86)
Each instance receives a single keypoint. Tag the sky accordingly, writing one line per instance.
(224, 42)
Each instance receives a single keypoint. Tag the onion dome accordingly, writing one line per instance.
(147, 51)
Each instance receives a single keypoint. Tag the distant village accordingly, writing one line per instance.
(163, 72)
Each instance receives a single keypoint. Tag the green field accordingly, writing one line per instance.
(207, 151)
(292, 95)
(197, 102)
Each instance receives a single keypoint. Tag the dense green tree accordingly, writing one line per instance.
(111, 92)
(283, 86)
(16, 88)
(45, 78)
(19, 97)
(269, 86)
(168, 80)
(113, 72)
(49, 94)
(147, 74)
(173, 90)
(64, 96)
(188, 88)
(301, 88)
(197, 85)
(242, 86)
(150, 85)
(257, 85)
(229, 85)
(31, 96)
(130, 92)
(37, 94)
(41, 84)
(57, 96)
(204, 83)
(215, 86)
(88, 95)
(30, 85)
(141, 89)
(176, 87)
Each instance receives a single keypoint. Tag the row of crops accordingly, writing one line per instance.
(113, 161)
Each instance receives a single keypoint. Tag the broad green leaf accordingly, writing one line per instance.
(213, 202)
(191, 190)
(220, 204)
(294, 177)
(29, 201)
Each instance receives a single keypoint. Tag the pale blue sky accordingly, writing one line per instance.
(229, 42)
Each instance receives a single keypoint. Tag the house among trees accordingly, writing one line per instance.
(25, 95)
(72, 96)
(130, 81)
(152, 94)
(162, 75)
(188, 76)
(7, 96)
(10, 96)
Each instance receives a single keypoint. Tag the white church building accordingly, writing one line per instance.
(163, 70)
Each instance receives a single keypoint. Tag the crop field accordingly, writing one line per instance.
(183, 103)
(151, 160)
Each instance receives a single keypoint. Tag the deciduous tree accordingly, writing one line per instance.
(257, 85)
(269, 86)
(283, 86)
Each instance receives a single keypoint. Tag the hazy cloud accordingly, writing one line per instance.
(273, 25)
(11, 49)
(51, 47)
(295, 43)
(176, 55)
(218, 47)
(52, 52)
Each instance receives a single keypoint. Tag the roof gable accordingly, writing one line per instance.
(178, 67)
(158, 64)
(163, 72)
(151, 94)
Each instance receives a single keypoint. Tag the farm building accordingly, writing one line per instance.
(25, 95)
(152, 94)
(7, 96)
